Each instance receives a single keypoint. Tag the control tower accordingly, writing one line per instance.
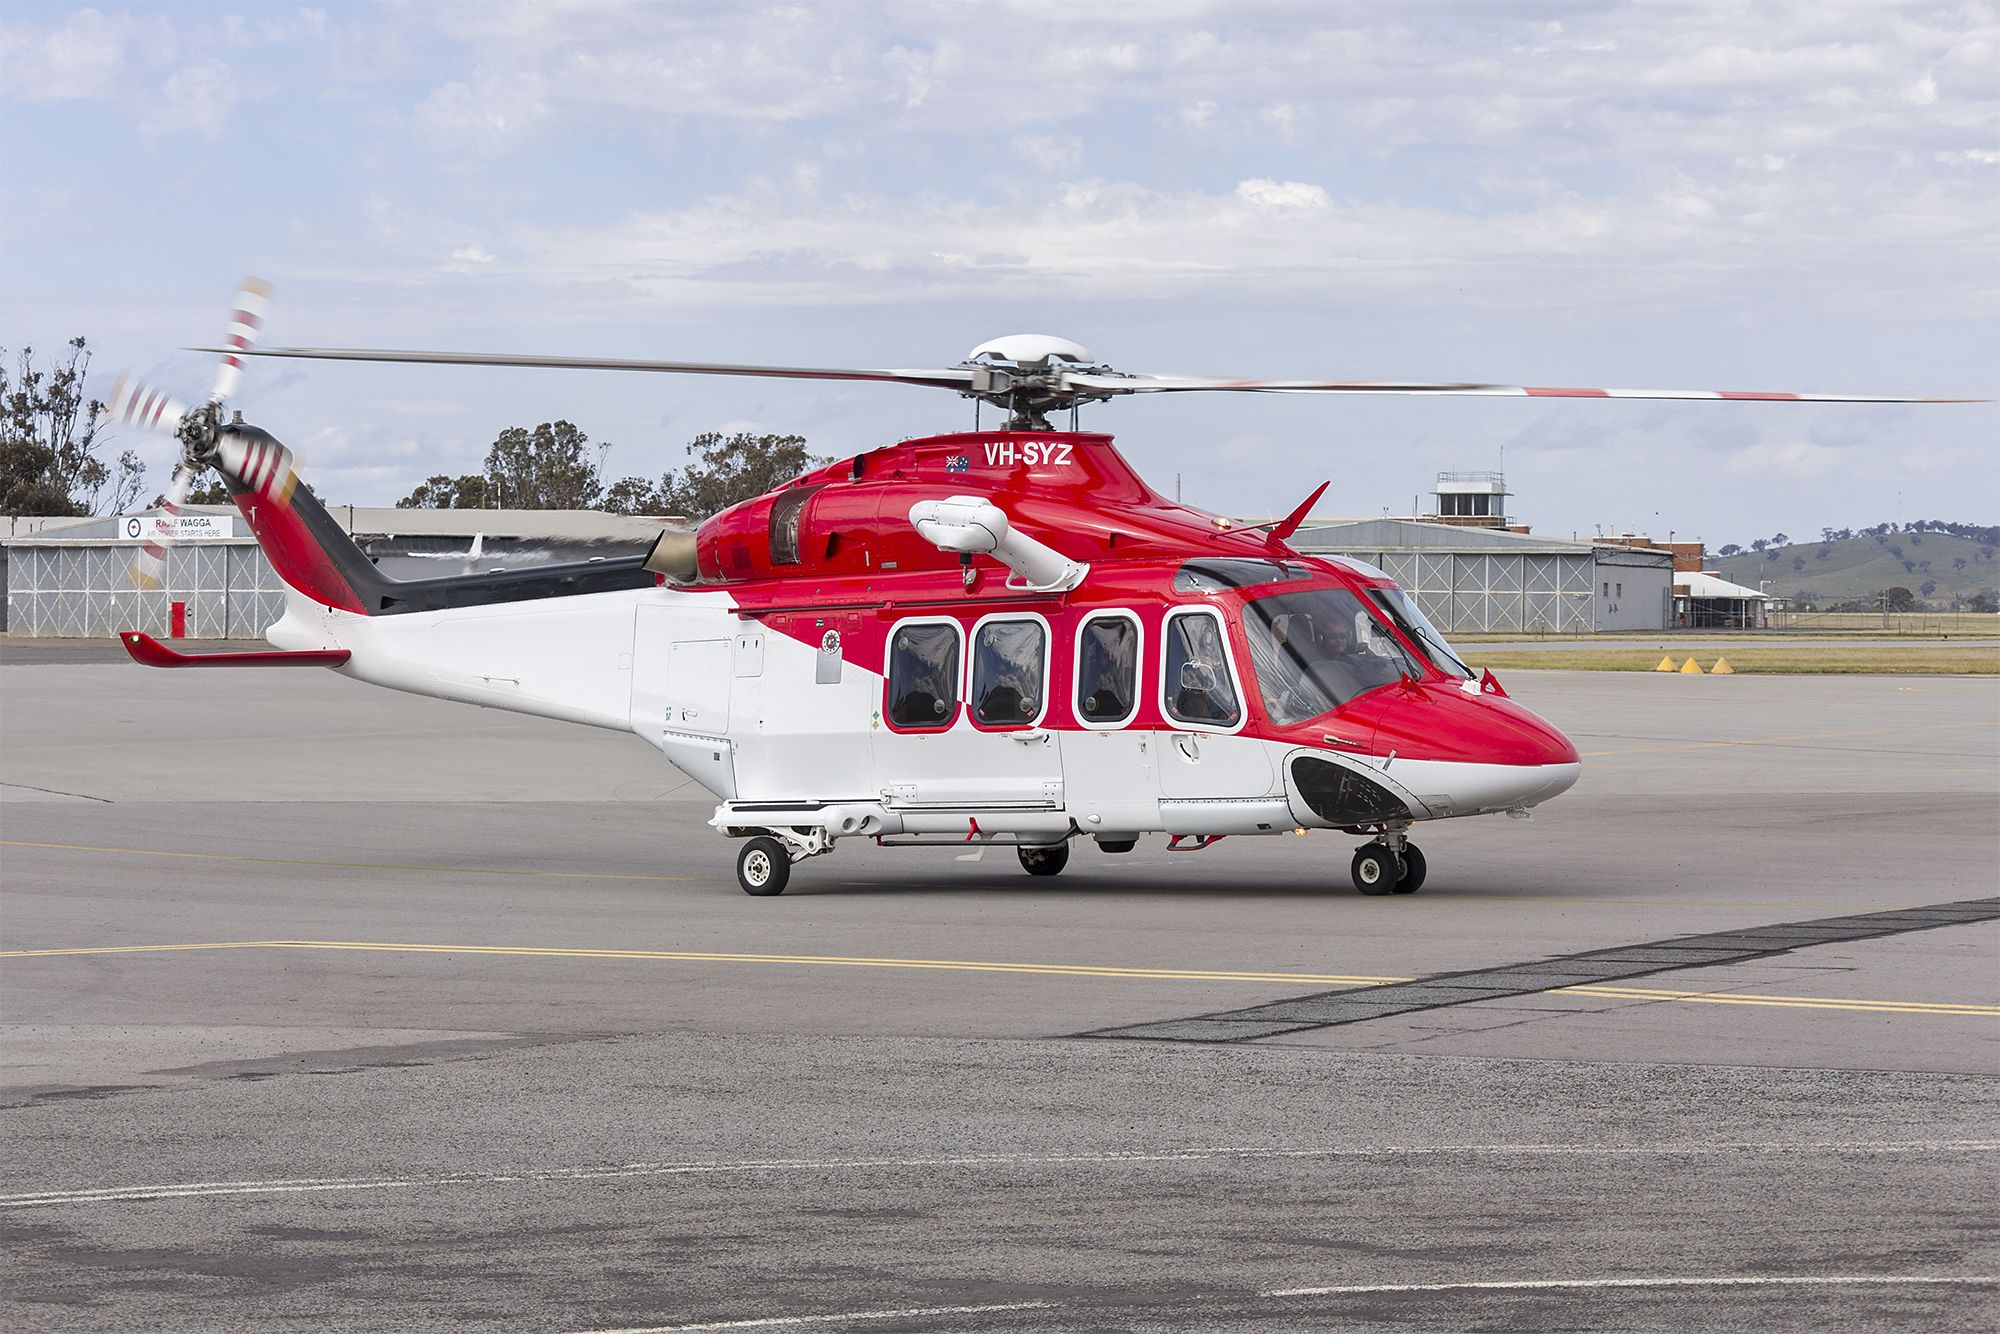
(1471, 499)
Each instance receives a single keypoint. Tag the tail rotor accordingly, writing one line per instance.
(135, 403)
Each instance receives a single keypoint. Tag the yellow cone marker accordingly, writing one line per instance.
(1692, 668)
(1722, 668)
(1666, 665)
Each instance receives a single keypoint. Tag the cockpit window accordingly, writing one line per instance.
(1212, 576)
(1199, 688)
(1316, 650)
(1410, 619)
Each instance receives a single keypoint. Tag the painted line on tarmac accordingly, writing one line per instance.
(1196, 1154)
(1565, 900)
(718, 956)
(1351, 1290)
(365, 866)
(1719, 1281)
(1796, 1002)
(1965, 1009)
(839, 1317)
(1782, 740)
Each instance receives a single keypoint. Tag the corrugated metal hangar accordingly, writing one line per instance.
(73, 578)
(1478, 578)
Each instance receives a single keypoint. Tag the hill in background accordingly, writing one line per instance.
(1943, 565)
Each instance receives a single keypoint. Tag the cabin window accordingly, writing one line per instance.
(1009, 661)
(923, 676)
(1199, 688)
(1107, 670)
(786, 513)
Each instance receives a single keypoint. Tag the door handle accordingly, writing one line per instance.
(1032, 737)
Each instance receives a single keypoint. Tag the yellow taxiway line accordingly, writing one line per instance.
(640, 876)
(719, 956)
(1041, 969)
(364, 866)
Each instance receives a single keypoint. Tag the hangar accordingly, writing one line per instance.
(1477, 578)
(73, 578)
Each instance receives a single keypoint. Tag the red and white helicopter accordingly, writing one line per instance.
(993, 637)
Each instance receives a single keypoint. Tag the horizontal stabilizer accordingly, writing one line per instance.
(150, 652)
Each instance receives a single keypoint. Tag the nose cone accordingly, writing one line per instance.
(1471, 753)
(1445, 723)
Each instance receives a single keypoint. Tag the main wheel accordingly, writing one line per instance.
(1413, 870)
(1375, 869)
(1044, 861)
(763, 867)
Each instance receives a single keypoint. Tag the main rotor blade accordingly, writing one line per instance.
(1167, 384)
(942, 379)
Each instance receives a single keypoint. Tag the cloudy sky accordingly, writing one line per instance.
(1800, 196)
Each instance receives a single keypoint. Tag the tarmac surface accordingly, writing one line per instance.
(330, 1008)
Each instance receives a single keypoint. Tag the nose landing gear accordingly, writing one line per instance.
(1380, 868)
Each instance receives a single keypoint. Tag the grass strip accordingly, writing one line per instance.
(1803, 660)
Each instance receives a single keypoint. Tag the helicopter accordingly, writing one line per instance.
(990, 638)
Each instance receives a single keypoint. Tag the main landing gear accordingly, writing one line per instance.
(1044, 861)
(764, 866)
(1380, 868)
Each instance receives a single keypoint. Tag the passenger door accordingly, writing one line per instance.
(1108, 777)
(1202, 757)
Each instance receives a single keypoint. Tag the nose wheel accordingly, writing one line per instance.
(1377, 869)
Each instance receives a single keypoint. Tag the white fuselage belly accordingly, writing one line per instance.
(785, 733)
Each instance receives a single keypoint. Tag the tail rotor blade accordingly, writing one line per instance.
(149, 567)
(136, 403)
(246, 326)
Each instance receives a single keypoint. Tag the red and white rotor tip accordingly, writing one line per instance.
(246, 326)
(136, 403)
(149, 567)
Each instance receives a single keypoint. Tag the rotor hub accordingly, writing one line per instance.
(1029, 376)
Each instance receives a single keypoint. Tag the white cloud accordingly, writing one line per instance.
(1050, 152)
(197, 97)
(82, 58)
(474, 254)
(1266, 193)
(1197, 115)
(1778, 459)
(487, 117)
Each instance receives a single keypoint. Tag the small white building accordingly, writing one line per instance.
(1704, 601)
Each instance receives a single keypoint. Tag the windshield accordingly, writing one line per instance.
(1403, 610)
(1316, 650)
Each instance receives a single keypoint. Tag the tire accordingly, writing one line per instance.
(1413, 870)
(1375, 869)
(1044, 861)
(763, 867)
(1117, 844)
